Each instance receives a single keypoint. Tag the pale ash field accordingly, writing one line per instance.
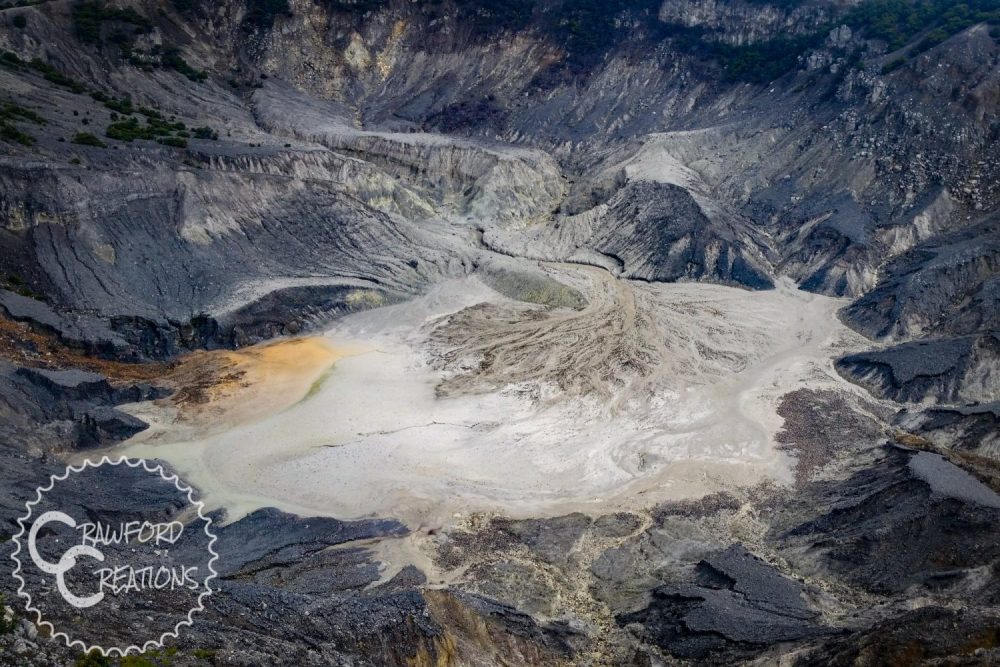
(465, 401)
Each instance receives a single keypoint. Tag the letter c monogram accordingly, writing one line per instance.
(66, 563)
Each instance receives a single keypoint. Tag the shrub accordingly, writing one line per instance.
(176, 142)
(185, 6)
(10, 112)
(261, 13)
(20, 21)
(172, 59)
(87, 139)
(53, 75)
(122, 106)
(93, 659)
(11, 133)
(8, 59)
(89, 18)
(893, 65)
(127, 130)
(205, 132)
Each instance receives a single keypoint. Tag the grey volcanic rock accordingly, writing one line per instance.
(283, 592)
(77, 330)
(944, 294)
(960, 637)
(270, 539)
(737, 604)
(649, 231)
(974, 428)
(552, 539)
(946, 370)
(897, 523)
(659, 232)
(948, 285)
(53, 410)
(160, 253)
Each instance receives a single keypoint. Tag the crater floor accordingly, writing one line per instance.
(463, 400)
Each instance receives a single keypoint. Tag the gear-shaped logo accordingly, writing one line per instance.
(114, 556)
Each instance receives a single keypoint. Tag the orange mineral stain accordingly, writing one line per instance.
(223, 388)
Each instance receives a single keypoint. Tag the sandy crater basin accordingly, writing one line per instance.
(463, 400)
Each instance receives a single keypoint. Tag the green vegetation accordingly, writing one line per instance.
(14, 135)
(154, 658)
(17, 284)
(96, 23)
(169, 132)
(11, 113)
(176, 142)
(361, 6)
(130, 129)
(50, 73)
(261, 13)
(761, 62)
(8, 59)
(205, 132)
(122, 105)
(185, 6)
(89, 18)
(172, 58)
(93, 659)
(893, 65)
(21, 3)
(489, 17)
(896, 22)
(165, 132)
(87, 139)
(587, 29)
(20, 21)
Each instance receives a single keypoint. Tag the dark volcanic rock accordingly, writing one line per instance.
(912, 518)
(78, 330)
(269, 538)
(921, 636)
(551, 539)
(947, 370)
(737, 605)
(974, 428)
(946, 286)
(661, 232)
(51, 410)
(819, 425)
